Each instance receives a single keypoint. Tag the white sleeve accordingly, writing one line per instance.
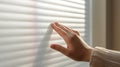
(102, 57)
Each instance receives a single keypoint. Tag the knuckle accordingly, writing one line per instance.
(73, 36)
(77, 32)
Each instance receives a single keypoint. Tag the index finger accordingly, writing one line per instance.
(63, 32)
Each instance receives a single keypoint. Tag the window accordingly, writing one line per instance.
(25, 34)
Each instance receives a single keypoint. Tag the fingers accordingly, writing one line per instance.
(66, 33)
(67, 28)
(63, 27)
(76, 32)
(62, 31)
(60, 48)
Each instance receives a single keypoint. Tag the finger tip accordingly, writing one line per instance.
(56, 22)
(52, 46)
(52, 25)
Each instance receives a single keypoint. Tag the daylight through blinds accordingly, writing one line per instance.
(25, 32)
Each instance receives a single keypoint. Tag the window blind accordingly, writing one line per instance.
(25, 32)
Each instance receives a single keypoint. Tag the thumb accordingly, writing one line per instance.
(59, 48)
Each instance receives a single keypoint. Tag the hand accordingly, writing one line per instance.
(76, 49)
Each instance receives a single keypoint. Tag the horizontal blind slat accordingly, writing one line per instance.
(64, 3)
(20, 9)
(77, 1)
(27, 10)
(60, 8)
(22, 17)
(19, 2)
(26, 34)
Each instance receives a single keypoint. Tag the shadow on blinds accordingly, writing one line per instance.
(42, 49)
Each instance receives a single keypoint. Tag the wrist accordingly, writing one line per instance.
(88, 54)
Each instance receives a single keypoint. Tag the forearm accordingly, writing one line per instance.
(101, 57)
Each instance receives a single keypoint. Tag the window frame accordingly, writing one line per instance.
(99, 23)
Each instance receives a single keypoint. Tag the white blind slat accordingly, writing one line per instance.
(20, 9)
(58, 7)
(65, 3)
(25, 33)
(26, 3)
